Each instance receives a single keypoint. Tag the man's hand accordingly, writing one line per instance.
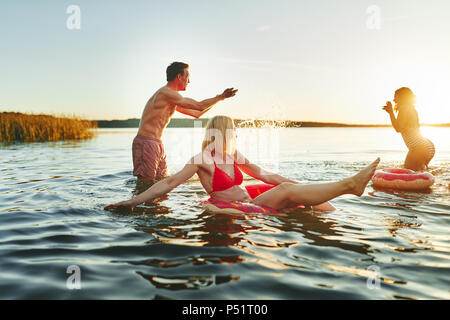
(388, 107)
(228, 93)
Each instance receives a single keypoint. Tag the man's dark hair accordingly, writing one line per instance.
(175, 69)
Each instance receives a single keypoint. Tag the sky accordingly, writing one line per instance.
(321, 60)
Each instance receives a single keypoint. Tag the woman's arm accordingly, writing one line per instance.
(160, 188)
(395, 123)
(259, 173)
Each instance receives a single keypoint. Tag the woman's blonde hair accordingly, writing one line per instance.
(220, 134)
(407, 96)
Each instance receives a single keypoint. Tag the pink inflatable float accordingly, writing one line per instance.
(402, 179)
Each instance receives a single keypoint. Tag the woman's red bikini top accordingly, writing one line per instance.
(222, 181)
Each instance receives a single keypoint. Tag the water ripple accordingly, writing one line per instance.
(51, 217)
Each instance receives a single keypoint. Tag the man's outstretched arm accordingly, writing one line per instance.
(193, 113)
(197, 108)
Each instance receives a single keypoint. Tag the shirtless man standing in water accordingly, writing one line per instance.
(149, 158)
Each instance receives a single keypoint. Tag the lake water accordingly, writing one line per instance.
(384, 245)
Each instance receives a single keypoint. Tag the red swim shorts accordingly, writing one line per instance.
(149, 158)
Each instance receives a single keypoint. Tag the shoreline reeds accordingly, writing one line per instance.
(20, 127)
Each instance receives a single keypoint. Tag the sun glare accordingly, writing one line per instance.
(432, 103)
(433, 99)
(440, 140)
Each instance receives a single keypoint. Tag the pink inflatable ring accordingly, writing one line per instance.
(402, 179)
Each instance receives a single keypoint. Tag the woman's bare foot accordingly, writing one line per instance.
(359, 181)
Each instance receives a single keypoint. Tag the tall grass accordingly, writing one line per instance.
(40, 128)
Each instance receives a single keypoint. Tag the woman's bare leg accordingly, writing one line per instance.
(419, 158)
(413, 162)
(288, 195)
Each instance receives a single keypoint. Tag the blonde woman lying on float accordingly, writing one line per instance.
(219, 170)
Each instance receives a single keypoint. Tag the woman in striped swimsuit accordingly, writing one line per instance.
(421, 149)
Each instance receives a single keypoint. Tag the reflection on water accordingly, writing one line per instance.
(191, 282)
(51, 216)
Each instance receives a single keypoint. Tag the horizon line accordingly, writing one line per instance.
(442, 124)
(290, 121)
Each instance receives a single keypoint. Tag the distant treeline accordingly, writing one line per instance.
(189, 123)
(134, 123)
